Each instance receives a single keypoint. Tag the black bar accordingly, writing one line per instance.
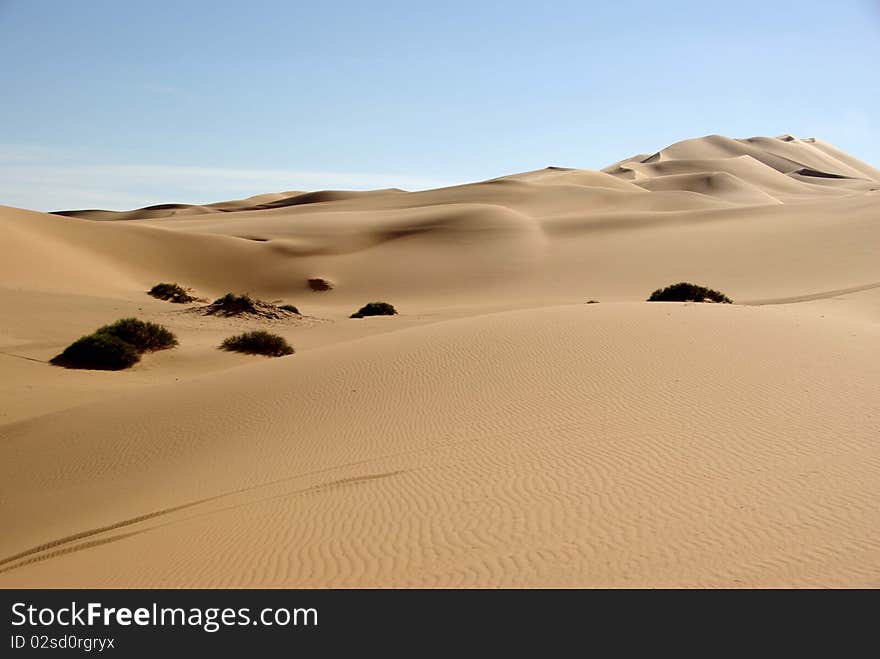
(417, 622)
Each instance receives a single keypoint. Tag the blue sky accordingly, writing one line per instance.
(111, 104)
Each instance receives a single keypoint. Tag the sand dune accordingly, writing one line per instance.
(148, 212)
(724, 185)
(160, 211)
(784, 154)
(498, 432)
(511, 449)
(257, 202)
(780, 186)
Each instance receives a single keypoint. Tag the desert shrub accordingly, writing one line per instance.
(231, 305)
(375, 309)
(98, 351)
(258, 343)
(320, 284)
(171, 293)
(116, 346)
(685, 292)
(143, 336)
(245, 305)
(592, 302)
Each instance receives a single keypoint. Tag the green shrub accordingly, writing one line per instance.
(245, 305)
(258, 343)
(98, 351)
(374, 309)
(685, 292)
(144, 336)
(116, 346)
(171, 293)
(233, 305)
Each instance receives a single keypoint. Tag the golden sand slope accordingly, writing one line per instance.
(498, 431)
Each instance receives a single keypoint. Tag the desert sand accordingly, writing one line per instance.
(498, 431)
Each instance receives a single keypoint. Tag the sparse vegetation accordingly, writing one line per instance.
(245, 305)
(116, 346)
(98, 351)
(233, 305)
(258, 343)
(375, 309)
(686, 292)
(142, 335)
(171, 293)
(319, 284)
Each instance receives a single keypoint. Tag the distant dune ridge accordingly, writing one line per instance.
(497, 431)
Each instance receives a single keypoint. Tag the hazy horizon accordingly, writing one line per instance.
(120, 106)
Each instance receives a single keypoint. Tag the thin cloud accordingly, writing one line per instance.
(43, 179)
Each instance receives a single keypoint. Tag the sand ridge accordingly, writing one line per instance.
(498, 431)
